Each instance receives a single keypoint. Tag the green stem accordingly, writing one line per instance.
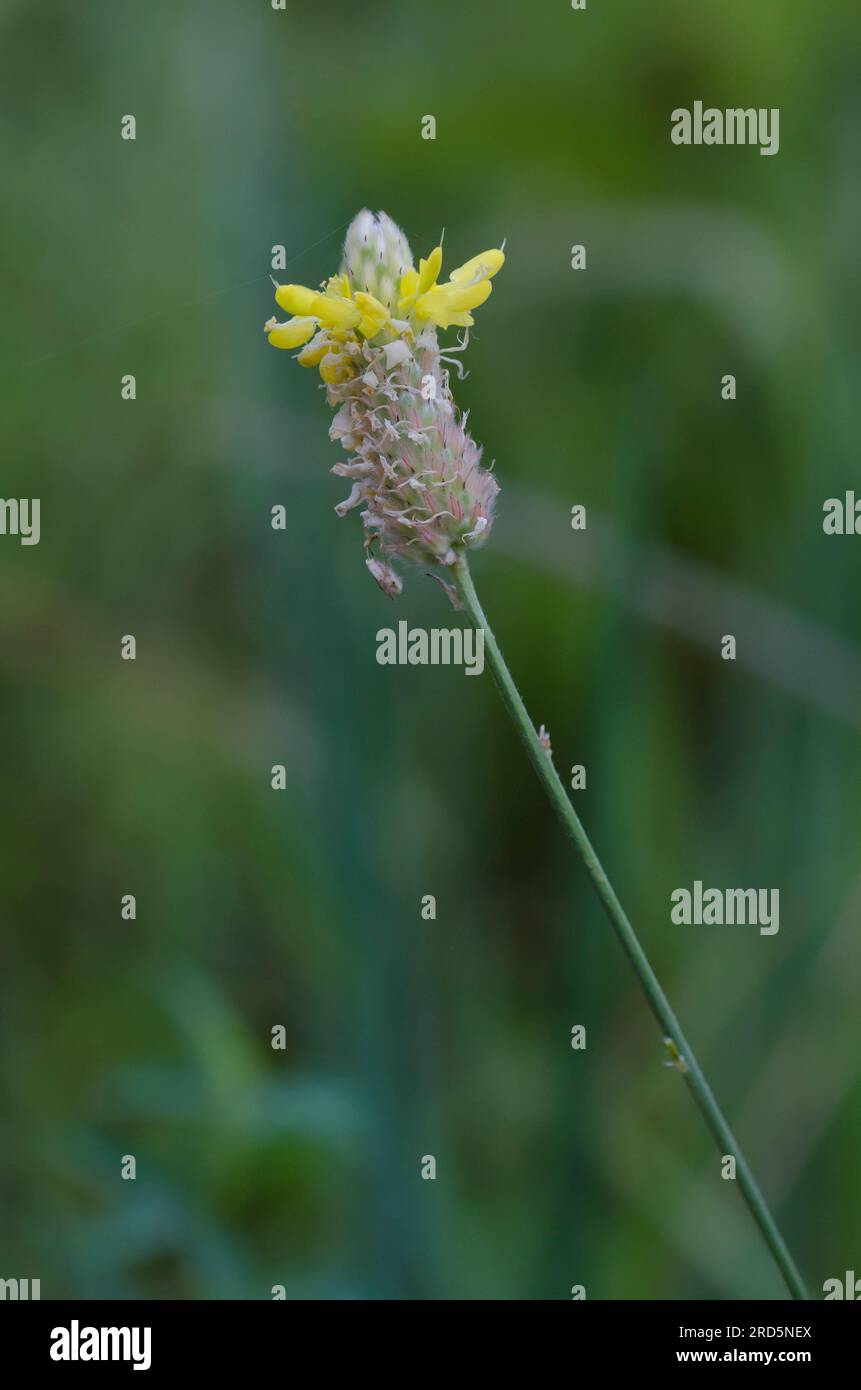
(678, 1046)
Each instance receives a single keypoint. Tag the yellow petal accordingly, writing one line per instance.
(295, 299)
(335, 312)
(291, 334)
(429, 270)
(480, 267)
(374, 314)
(409, 285)
(444, 300)
(370, 305)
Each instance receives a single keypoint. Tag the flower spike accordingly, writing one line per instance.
(372, 334)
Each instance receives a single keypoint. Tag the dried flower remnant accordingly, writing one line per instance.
(371, 330)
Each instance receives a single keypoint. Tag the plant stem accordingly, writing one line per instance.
(677, 1044)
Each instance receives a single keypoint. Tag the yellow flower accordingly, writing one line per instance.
(374, 314)
(377, 279)
(292, 333)
(295, 299)
(429, 270)
(480, 267)
(449, 304)
(336, 308)
(335, 311)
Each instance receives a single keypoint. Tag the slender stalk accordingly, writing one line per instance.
(679, 1048)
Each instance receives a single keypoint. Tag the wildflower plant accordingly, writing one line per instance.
(372, 331)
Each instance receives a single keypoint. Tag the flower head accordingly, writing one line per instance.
(371, 330)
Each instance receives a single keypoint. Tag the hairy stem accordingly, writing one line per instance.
(679, 1049)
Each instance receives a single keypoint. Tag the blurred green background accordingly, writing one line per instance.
(255, 647)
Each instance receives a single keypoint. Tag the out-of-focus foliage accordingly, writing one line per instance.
(256, 908)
